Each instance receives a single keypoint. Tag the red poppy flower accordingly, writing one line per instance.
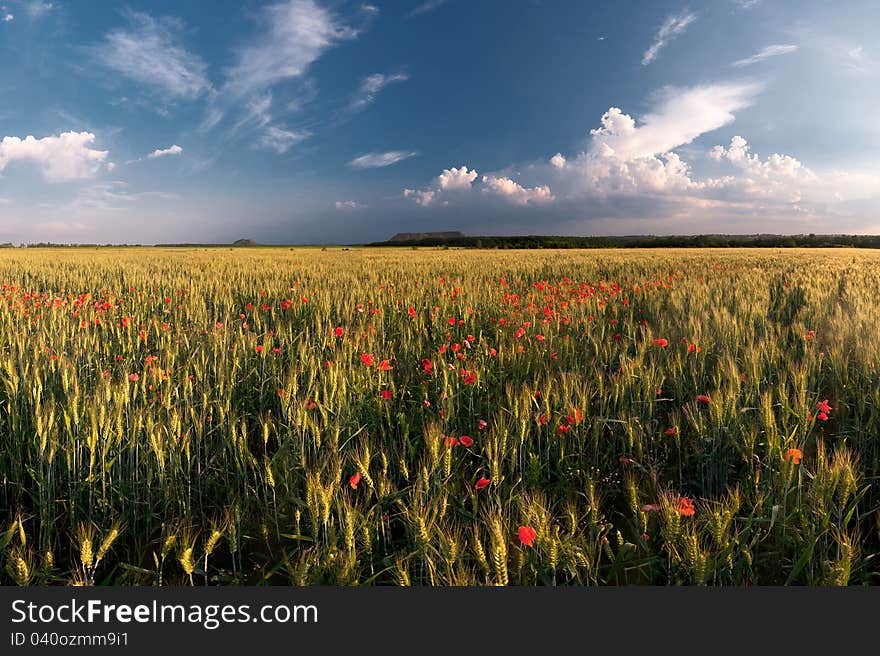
(451, 441)
(480, 484)
(259, 349)
(822, 416)
(526, 535)
(661, 342)
(133, 377)
(469, 380)
(385, 366)
(466, 440)
(354, 480)
(412, 312)
(427, 366)
(520, 333)
(339, 331)
(702, 398)
(685, 506)
(795, 455)
(823, 406)
(386, 394)
(481, 425)
(367, 359)
(693, 348)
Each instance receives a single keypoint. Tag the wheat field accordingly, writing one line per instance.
(439, 417)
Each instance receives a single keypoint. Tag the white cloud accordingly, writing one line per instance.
(456, 178)
(370, 9)
(515, 192)
(8, 18)
(63, 157)
(634, 172)
(458, 182)
(425, 7)
(423, 197)
(280, 139)
(777, 175)
(856, 60)
(371, 86)
(36, 8)
(672, 27)
(148, 52)
(299, 32)
(681, 116)
(173, 150)
(348, 205)
(380, 160)
(766, 53)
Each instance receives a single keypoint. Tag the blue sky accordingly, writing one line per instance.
(326, 121)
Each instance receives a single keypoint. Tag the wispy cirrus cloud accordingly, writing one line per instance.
(767, 52)
(425, 7)
(380, 160)
(673, 27)
(371, 86)
(856, 60)
(281, 139)
(36, 8)
(296, 34)
(149, 51)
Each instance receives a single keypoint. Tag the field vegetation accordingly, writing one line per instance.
(439, 417)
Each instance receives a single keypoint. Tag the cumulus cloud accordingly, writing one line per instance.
(148, 51)
(348, 205)
(458, 182)
(162, 152)
(8, 18)
(423, 197)
(634, 170)
(672, 27)
(456, 178)
(681, 115)
(67, 156)
(281, 139)
(777, 175)
(766, 53)
(298, 33)
(515, 192)
(371, 86)
(450, 180)
(380, 160)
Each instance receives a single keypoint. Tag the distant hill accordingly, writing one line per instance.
(421, 236)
